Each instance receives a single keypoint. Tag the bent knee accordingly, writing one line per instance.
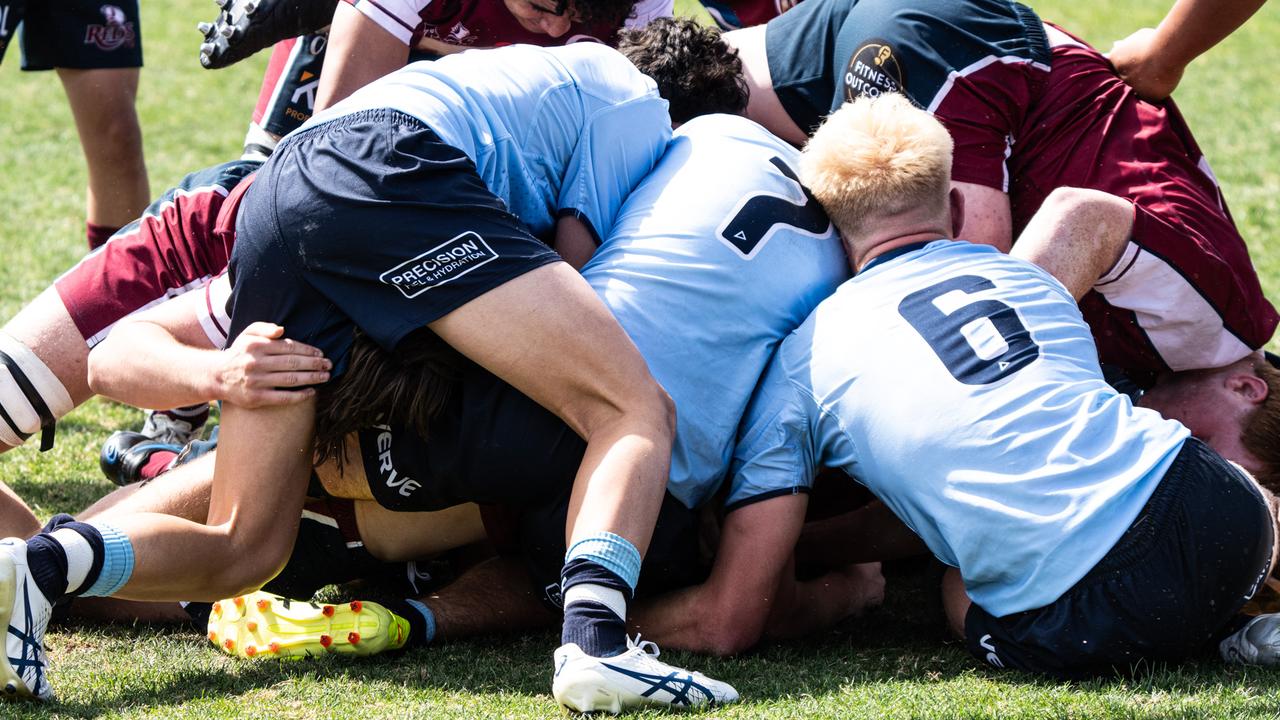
(663, 409)
(725, 639)
(240, 576)
(119, 140)
(246, 564)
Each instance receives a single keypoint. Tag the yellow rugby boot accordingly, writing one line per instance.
(264, 625)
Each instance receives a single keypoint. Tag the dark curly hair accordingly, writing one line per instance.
(696, 71)
(408, 387)
(603, 12)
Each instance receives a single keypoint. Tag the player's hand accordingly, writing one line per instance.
(1139, 62)
(261, 365)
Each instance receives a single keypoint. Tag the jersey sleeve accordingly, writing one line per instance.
(646, 11)
(775, 455)
(619, 145)
(212, 314)
(995, 68)
(800, 48)
(975, 65)
(398, 17)
(1181, 297)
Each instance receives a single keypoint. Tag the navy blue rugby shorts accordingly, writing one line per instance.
(1166, 591)
(370, 221)
(74, 34)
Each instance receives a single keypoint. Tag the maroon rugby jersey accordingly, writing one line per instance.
(1031, 108)
(1185, 294)
(181, 241)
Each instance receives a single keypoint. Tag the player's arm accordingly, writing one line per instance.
(729, 612)
(763, 105)
(574, 241)
(1077, 235)
(164, 357)
(806, 607)
(988, 219)
(1153, 60)
(751, 584)
(871, 533)
(359, 52)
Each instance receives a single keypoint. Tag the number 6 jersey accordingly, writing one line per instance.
(962, 387)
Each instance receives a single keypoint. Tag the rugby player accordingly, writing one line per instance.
(1136, 541)
(180, 242)
(96, 49)
(495, 294)
(370, 39)
(682, 251)
(749, 594)
(675, 260)
(1031, 109)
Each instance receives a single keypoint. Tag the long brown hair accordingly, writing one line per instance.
(410, 386)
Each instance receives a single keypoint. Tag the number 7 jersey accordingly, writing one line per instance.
(962, 387)
(715, 257)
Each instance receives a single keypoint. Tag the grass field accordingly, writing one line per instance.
(890, 664)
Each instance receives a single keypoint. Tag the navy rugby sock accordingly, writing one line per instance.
(422, 622)
(67, 557)
(598, 578)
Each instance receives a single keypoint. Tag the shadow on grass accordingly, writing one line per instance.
(512, 665)
(896, 650)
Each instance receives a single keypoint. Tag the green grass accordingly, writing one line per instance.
(891, 664)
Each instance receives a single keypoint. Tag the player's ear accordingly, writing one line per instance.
(956, 199)
(1248, 386)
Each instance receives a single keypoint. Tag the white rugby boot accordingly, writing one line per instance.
(634, 678)
(1257, 643)
(25, 612)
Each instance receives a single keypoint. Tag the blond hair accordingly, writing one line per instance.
(878, 157)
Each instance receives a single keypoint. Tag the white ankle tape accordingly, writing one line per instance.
(612, 599)
(79, 556)
(31, 396)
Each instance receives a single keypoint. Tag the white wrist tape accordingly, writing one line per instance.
(31, 396)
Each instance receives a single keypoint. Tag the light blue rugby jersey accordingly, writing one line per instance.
(715, 257)
(551, 130)
(962, 387)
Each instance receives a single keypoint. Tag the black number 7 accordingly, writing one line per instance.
(758, 216)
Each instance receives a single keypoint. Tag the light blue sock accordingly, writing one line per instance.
(428, 620)
(612, 552)
(117, 562)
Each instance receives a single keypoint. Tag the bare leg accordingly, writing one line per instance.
(182, 492)
(46, 328)
(16, 519)
(578, 363)
(104, 609)
(400, 536)
(955, 601)
(102, 102)
(255, 504)
(494, 596)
